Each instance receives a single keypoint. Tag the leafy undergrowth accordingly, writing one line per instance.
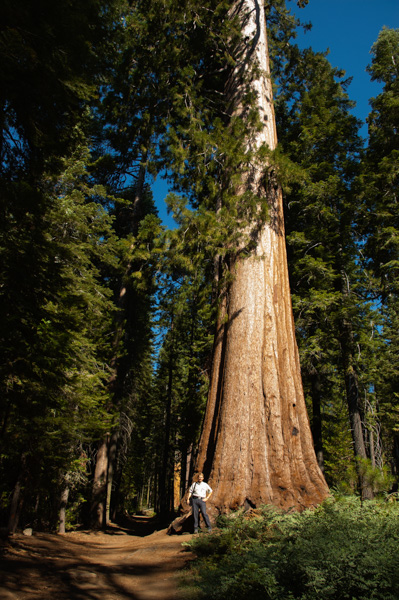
(343, 550)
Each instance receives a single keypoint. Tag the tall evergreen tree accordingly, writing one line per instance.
(185, 310)
(48, 223)
(58, 73)
(132, 336)
(255, 399)
(378, 186)
(332, 294)
(54, 382)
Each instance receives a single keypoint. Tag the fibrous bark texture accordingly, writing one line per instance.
(256, 446)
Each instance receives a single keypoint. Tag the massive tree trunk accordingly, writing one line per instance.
(256, 446)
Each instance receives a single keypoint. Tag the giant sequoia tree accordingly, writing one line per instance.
(256, 445)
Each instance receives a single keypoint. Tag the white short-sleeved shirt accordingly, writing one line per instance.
(200, 489)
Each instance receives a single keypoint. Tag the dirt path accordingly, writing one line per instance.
(120, 564)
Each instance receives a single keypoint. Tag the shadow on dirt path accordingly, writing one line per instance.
(136, 562)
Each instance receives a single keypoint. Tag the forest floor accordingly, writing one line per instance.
(136, 562)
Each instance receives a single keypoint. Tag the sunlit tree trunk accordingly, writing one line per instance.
(63, 504)
(256, 446)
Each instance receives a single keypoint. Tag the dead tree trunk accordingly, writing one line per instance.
(256, 445)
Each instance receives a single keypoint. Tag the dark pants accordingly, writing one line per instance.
(200, 505)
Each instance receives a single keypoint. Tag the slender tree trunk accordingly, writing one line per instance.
(5, 418)
(63, 505)
(355, 412)
(165, 477)
(185, 468)
(104, 470)
(317, 420)
(148, 492)
(355, 409)
(395, 455)
(116, 499)
(100, 486)
(112, 449)
(16, 504)
(183, 471)
(256, 445)
(372, 451)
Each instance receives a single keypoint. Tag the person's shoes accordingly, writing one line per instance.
(195, 530)
(209, 529)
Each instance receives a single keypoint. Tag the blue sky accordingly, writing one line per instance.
(348, 28)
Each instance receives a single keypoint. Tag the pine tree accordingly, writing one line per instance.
(57, 71)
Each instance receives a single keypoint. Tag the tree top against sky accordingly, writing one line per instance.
(348, 28)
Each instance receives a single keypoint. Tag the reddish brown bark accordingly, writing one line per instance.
(256, 446)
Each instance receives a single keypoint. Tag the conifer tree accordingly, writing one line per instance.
(125, 137)
(54, 396)
(54, 238)
(132, 335)
(321, 136)
(378, 186)
(256, 445)
(184, 318)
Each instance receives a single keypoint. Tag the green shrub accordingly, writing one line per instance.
(343, 550)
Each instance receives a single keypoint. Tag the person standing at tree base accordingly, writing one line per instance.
(198, 494)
